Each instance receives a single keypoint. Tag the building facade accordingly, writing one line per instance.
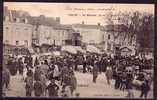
(91, 34)
(16, 30)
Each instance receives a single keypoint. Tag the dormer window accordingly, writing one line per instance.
(108, 37)
(24, 20)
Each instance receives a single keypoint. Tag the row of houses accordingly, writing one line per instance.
(22, 29)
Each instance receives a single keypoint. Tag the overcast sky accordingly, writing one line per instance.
(67, 11)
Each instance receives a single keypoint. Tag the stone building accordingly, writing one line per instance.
(21, 29)
(16, 29)
(17, 32)
(91, 34)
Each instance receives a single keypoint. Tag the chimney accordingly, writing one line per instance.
(58, 20)
(99, 24)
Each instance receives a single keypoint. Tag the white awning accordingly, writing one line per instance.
(69, 49)
(78, 48)
(93, 49)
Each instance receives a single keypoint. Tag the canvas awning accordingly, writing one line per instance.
(78, 48)
(69, 49)
(93, 49)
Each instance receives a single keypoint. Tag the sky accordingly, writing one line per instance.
(90, 13)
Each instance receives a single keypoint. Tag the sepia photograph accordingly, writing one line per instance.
(78, 50)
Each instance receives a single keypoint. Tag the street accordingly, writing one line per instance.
(86, 88)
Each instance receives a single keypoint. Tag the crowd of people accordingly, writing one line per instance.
(54, 76)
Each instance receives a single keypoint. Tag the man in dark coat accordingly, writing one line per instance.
(37, 73)
(95, 73)
(20, 66)
(13, 67)
(73, 82)
(84, 66)
(29, 83)
(38, 88)
(145, 89)
(52, 89)
(129, 85)
(5, 77)
(64, 74)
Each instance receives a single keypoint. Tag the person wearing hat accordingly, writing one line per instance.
(145, 88)
(64, 74)
(5, 79)
(53, 89)
(66, 91)
(109, 74)
(43, 82)
(37, 73)
(29, 83)
(73, 82)
(38, 88)
(95, 72)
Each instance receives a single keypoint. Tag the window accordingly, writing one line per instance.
(63, 33)
(17, 42)
(54, 42)
(109, 37)
(6, 41)
(15, 19)
(26, 29)
(63, 42)
(7, 30)
(91, 42)
(24, 20)
(25, 42)
(108, 46)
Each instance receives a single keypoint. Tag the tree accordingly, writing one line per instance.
(137, 24)
(140, 25)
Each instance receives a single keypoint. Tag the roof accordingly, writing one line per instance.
(86, 26)
(63, 27)
(47, 21)
(34, 20)
(117, 27)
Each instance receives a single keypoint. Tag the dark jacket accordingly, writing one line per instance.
(53, 89)
(5, 76)
(29, 83)
(95, 71)
(145, 87)
(73, 82)
(38, 89)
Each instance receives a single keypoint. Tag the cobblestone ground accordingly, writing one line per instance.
(86, 88)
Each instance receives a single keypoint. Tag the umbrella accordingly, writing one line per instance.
(69, 49)
(93, 49)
